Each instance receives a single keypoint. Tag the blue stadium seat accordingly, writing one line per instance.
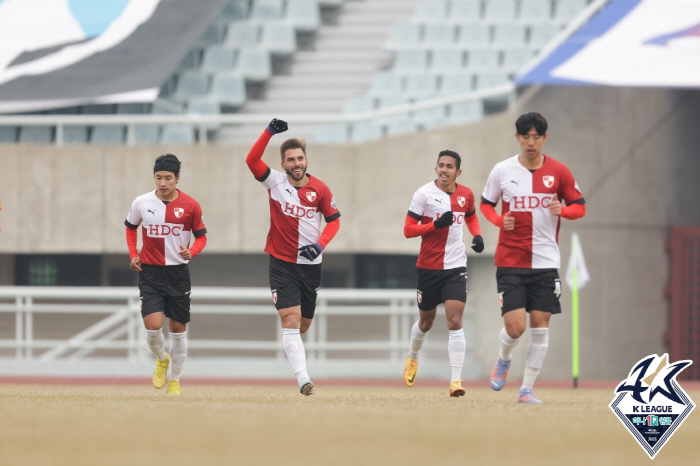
(213, 34)
(482, 59)
(447, 60)
(36, 134)
(430, 10)
(75, 134)
(473, 34)
(432, 117)
(535, 10)
(332, 133)
(509, 35)
(399, 126)
(107, 134)
(420, 86)
(177, 134)
(229, 88)
(304, 15)
(410, 60)
(205, 106)
(266, 10)
(499, 10)
(240, 34)
(515, 58)
(456, 83)
(541, 34)
(392, 100)
(218, 58)
(365, 131)
(463, 112)
(236, 10)
(191, 84)
(385, 83)
(278, 38)
(490, 79)
(566, 10)
(254, 64)
(438, 35)
(403, 36)
(8, 134)
(465, 10)
(358, 104)
(146, 134)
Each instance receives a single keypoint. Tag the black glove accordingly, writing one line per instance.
(277, 126)
(478, 243)
(311, 252)
(445, 220)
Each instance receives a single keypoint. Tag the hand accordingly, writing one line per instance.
(478, 243)
(311, 252)
(445, 220)
(136, 264)
(508, 221)
(277, 126)
(555, 206)
(185, 253)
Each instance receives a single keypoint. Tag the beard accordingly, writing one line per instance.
(291, 173)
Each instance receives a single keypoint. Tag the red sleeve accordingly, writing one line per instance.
(473, 226)
(329, 232)
(568, 190)
(254, 159)
(573, 211)
(411, 229)
(327, 205)
(198, 245)
(489, 212)
(131, 238)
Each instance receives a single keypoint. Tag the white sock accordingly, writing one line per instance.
(506, 344)
(156, 341)
(178, 353)
(536, 351)
(456, 346)
(294, 347)
(417, 339)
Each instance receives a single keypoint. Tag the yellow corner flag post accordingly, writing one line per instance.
(576, 277)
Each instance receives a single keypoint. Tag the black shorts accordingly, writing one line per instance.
(295, 285)
(165, 288)
(437, 286)
(532, 289)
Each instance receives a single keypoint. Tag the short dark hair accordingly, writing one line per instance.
(452, 154)
(168, 162)
(527, 121)
(293, 143)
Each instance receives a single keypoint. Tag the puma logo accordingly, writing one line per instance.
(289, 191)
(517, 183)
(151, 211)
(439, 200)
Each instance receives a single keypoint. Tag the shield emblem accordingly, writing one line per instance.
(274, 296)
(548, 180)
(179, 211)
(500, 299)
(461, 201)
(311, 196)
(420, 297)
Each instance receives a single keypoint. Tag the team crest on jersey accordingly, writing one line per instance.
(548, 181)
(650, 403)
(311, 196)
(179, 211)
(461, 201)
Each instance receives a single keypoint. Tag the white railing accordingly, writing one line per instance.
(202, 121)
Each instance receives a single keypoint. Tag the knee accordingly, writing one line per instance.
(303, 328)
(515, 330)
(425, 325)
(454, 324)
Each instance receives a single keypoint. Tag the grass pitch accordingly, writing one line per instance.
(265, 425)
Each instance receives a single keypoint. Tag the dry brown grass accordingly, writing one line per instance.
(137, 425)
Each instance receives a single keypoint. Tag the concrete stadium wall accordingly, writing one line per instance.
(632, 151)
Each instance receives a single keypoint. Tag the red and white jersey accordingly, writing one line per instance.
(295, 215)
(443, 248)
(527, 194)
(166, 227)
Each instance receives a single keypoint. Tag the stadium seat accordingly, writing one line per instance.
(205, 106)
(385, 83)
(438, 35)
(36, 134)
(254, 64)
(8, 134)
(465, 10)
(515, 58)
(132, 109)
(107, 134)
(97, 109)
(403, 36)
(541, 34)
(432, 117)
(191, 83)
(146, 134)
(410, 60)
(447, 60)
(463, 112)
(266, 10)
(213, 34)
(75, 134)
(358, 104)
(399, 126)
(177, 134)
(278, 38)
(420, 86)
(218, 58)
(430, 10)
(456, 83)
(332, 133)
(509, 35)
(236, 10)
(191, 60)
(473, 34)
(566, 10)
(482, 59)
(535, 10)
(304, 15)
(229, 88)
(490, 79)
(499, 10)
(240, 34)
(166, 107)
(392, 100)
(365, 131)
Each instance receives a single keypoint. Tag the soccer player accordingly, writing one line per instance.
(442, 207)
(170, 218)
(295, 242)
(530, 186)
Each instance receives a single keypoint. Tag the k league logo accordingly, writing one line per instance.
(650, 403)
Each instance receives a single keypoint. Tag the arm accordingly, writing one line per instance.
(489, 212)
(472, 222)
(329, 232)
(254, 158)
(412, 229)
(573, 211)
(131, 238)
(198, 245)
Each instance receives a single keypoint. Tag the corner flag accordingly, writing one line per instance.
(577, 277)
